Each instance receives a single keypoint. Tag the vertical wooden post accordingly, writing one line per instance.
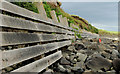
(41, 10)
(54, 17)
(65, 21)
(61, 19)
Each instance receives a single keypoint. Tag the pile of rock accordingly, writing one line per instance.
(89, 56)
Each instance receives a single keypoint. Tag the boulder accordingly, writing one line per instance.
(63, 61)
(96, 63)
(77, 69)
(116, 65)
(80, 64)
(61, 68)
(79, 46)
(93, 46)
(81, 57)
(106, 55)
(115, 54)
(71, 48)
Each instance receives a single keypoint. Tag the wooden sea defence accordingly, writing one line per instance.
(29, 40)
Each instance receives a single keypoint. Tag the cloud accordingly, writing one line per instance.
(103, 15)
(101, 25)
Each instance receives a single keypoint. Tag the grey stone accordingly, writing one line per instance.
(61, 68)
(101, 47)
(80, 64)
(63, 61)
(115, 54)
(79, 46)
(77, 69)
(93, 46)
(68, 71)
(89, 52)
(81, 57)
(89, 72)
(71, 58)
(71, 48)
(67, 66)
(75, 60)
(116, 65)
(96, 63)
(67, 57)
(106, 55)
(65, 54)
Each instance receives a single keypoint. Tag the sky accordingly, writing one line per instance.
(103, 15)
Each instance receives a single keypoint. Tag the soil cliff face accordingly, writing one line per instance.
(79, 22)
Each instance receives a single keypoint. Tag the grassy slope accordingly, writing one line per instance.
(48, 7)
(78, 22)
(108, 33)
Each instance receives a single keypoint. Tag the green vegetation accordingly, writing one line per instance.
(104, 32)
(28, 5)
(76, 20)
(77, 35)
(47, 9)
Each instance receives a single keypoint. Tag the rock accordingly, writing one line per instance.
(67, 57)
(118, 48)
(89, 52)
(71, 48)
(72, 59)
(65, 54)
(96, 63)
(108, 51)
(63, 61)
(61, 68)
(81, 57)
(48, 72)
(86, 42)
(111, 72)
(67, 66)
(89, 72)
(80, 64)
(113, 46)
(115, 54)
(68, 70)
(101, 47)
(77, 69)
(93, 46)
(116, 65)
(106, 55)
(106, 40)
(79, 46)
(75, 60)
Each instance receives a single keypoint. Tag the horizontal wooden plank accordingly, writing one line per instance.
(18, 23)
(41, 64)
(12, 38)
(21, 54)
(6, 6)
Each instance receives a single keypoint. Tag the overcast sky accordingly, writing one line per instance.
(103, 15)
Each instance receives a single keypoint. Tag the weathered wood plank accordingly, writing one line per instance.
(6, 6)
(21, 54)
(12, 38)
(41, 10)
(13, 22)
(54, 17)
(41, 64)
